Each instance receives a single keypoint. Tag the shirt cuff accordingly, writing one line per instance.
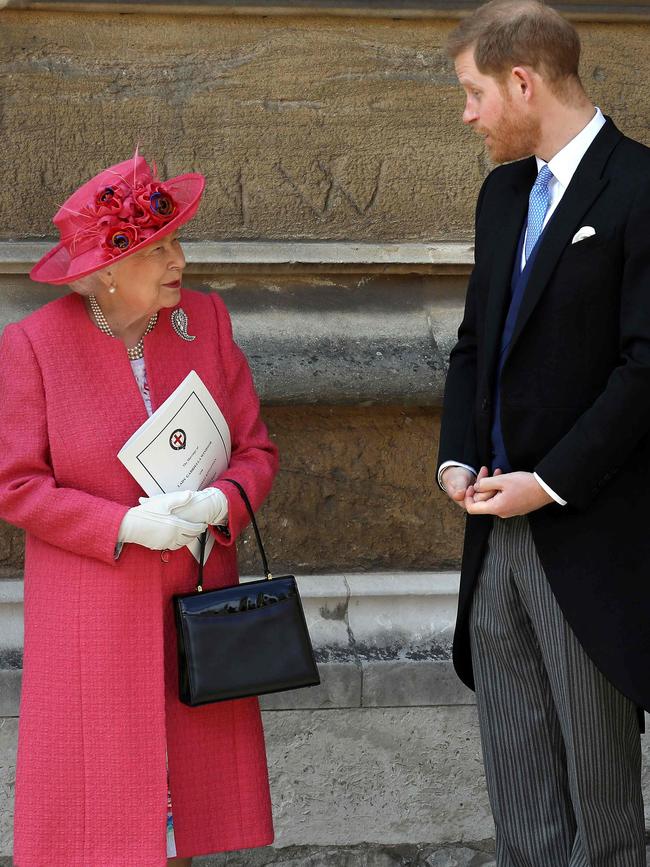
(446, 464)
(550, 491)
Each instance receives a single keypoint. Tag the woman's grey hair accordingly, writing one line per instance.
(90, 285)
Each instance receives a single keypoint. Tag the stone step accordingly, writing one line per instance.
(381, 640)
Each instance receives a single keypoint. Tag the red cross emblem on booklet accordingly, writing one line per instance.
(178, 440)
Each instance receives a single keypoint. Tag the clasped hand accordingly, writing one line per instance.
(208, 506)
(502, 494)
(173, 520)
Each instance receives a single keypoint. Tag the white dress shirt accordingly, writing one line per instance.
(563, 167)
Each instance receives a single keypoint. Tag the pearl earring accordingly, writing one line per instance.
(112, 289)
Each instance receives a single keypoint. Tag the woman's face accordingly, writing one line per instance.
(149, 279)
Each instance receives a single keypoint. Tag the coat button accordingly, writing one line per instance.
(164, 556)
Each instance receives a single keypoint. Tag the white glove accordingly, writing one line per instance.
(152, 525)
(209, 506)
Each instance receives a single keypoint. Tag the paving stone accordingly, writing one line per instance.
(460, 857)
(377, 776)
(336, 856)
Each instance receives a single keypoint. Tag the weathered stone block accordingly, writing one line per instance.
(308, 127)
(346, 339)
(8, 740)
(12, 544)
(367, 786)
(460, 857)
(356, 492)
(407, 683)
(10, 680)
(347, 856)
(355, 339)
(352, 777)
(372, 776)
(304, 127)
(340, 687)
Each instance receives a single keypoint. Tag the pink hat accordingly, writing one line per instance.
(119, 211)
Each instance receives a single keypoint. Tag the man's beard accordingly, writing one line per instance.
(514, 137)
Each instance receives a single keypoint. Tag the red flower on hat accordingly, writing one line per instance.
(128, 217)
(152, 205)
(108, 200)
(118, 236)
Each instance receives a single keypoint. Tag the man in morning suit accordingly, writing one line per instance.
(545, 443)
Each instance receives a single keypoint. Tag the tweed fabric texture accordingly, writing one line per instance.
(561, 744)
(99, 700)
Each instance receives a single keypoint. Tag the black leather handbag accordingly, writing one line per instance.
(243, 640)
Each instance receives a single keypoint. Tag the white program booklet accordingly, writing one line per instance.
(183, 446)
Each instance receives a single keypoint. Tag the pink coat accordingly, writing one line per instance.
(99, 700)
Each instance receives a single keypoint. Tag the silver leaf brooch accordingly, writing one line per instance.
(180, 323)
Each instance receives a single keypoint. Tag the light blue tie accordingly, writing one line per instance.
(538, 203)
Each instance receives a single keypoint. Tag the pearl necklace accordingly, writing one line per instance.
(135, 352)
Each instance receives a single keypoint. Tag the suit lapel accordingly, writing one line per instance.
(585, 187)
(514, 214)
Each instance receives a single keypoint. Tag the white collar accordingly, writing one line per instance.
(565, 162)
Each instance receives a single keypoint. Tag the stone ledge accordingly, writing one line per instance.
(18, 257)
(371, 616)
(333, 339)
(343, 685)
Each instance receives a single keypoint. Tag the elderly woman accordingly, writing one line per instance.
(108, 757)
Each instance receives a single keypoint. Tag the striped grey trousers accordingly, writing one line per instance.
(561, 745)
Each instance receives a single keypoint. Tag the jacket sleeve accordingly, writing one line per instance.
(458, 430)
(606, 434)
(254, 457)
(30, 497)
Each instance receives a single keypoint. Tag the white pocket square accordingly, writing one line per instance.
(584, 232)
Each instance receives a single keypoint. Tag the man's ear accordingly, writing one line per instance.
(523, 81)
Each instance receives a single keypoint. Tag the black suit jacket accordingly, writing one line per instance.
(575, 394)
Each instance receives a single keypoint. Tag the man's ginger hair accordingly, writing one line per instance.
(508, 33)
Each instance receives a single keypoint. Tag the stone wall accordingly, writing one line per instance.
(356, 488)
(364, 499)
(306, 127)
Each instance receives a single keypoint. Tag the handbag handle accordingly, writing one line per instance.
(251, 513)
(204, 536)
(202, 540)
